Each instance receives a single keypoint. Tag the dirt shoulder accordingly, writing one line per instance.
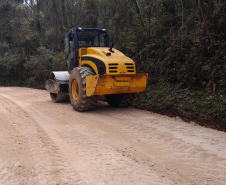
(202, 106)
(45, 143)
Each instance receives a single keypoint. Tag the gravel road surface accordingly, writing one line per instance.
(45, 143)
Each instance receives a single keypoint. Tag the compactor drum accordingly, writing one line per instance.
(94, 69)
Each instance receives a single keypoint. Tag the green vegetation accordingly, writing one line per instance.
(188, 103)
(181, 44)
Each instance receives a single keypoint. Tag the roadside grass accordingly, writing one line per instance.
(201, 106)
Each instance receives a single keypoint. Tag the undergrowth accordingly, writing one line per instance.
(195, 105)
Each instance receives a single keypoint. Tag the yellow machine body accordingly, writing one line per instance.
(115, 72)
(103, 85)
(115, 63)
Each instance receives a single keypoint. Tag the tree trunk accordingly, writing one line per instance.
(204, 20)
(138, 11)
(64, 13)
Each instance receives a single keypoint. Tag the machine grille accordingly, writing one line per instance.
(113, 67)
(130, 67)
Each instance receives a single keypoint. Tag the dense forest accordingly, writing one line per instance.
(181, 44)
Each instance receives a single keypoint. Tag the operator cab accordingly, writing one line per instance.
(83, 37)
(92, 38)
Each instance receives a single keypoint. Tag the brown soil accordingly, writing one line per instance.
(187, 117)
(45, 143)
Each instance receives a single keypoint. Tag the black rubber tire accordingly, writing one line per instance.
(58, 97)
(120, 100)
(83, 102)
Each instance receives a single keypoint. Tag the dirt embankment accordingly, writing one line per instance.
(43, 143)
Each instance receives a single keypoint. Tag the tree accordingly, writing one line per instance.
(19, 1)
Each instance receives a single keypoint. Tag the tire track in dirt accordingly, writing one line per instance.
(119, 146)
(161, 139)
(5, 176)
(50, 165)
(96, 156)
(12, 147)
(193, 159)
(93, 154)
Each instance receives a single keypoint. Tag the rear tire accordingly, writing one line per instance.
(120, 100)
(77, 89)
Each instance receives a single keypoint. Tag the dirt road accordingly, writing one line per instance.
(42, 143)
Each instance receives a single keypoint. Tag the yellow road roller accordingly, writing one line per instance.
(94, 69)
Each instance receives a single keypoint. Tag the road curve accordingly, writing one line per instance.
(45, 143)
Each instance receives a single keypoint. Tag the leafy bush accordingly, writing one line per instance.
(201, 105)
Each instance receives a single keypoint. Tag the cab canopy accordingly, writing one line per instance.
(85, 37)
